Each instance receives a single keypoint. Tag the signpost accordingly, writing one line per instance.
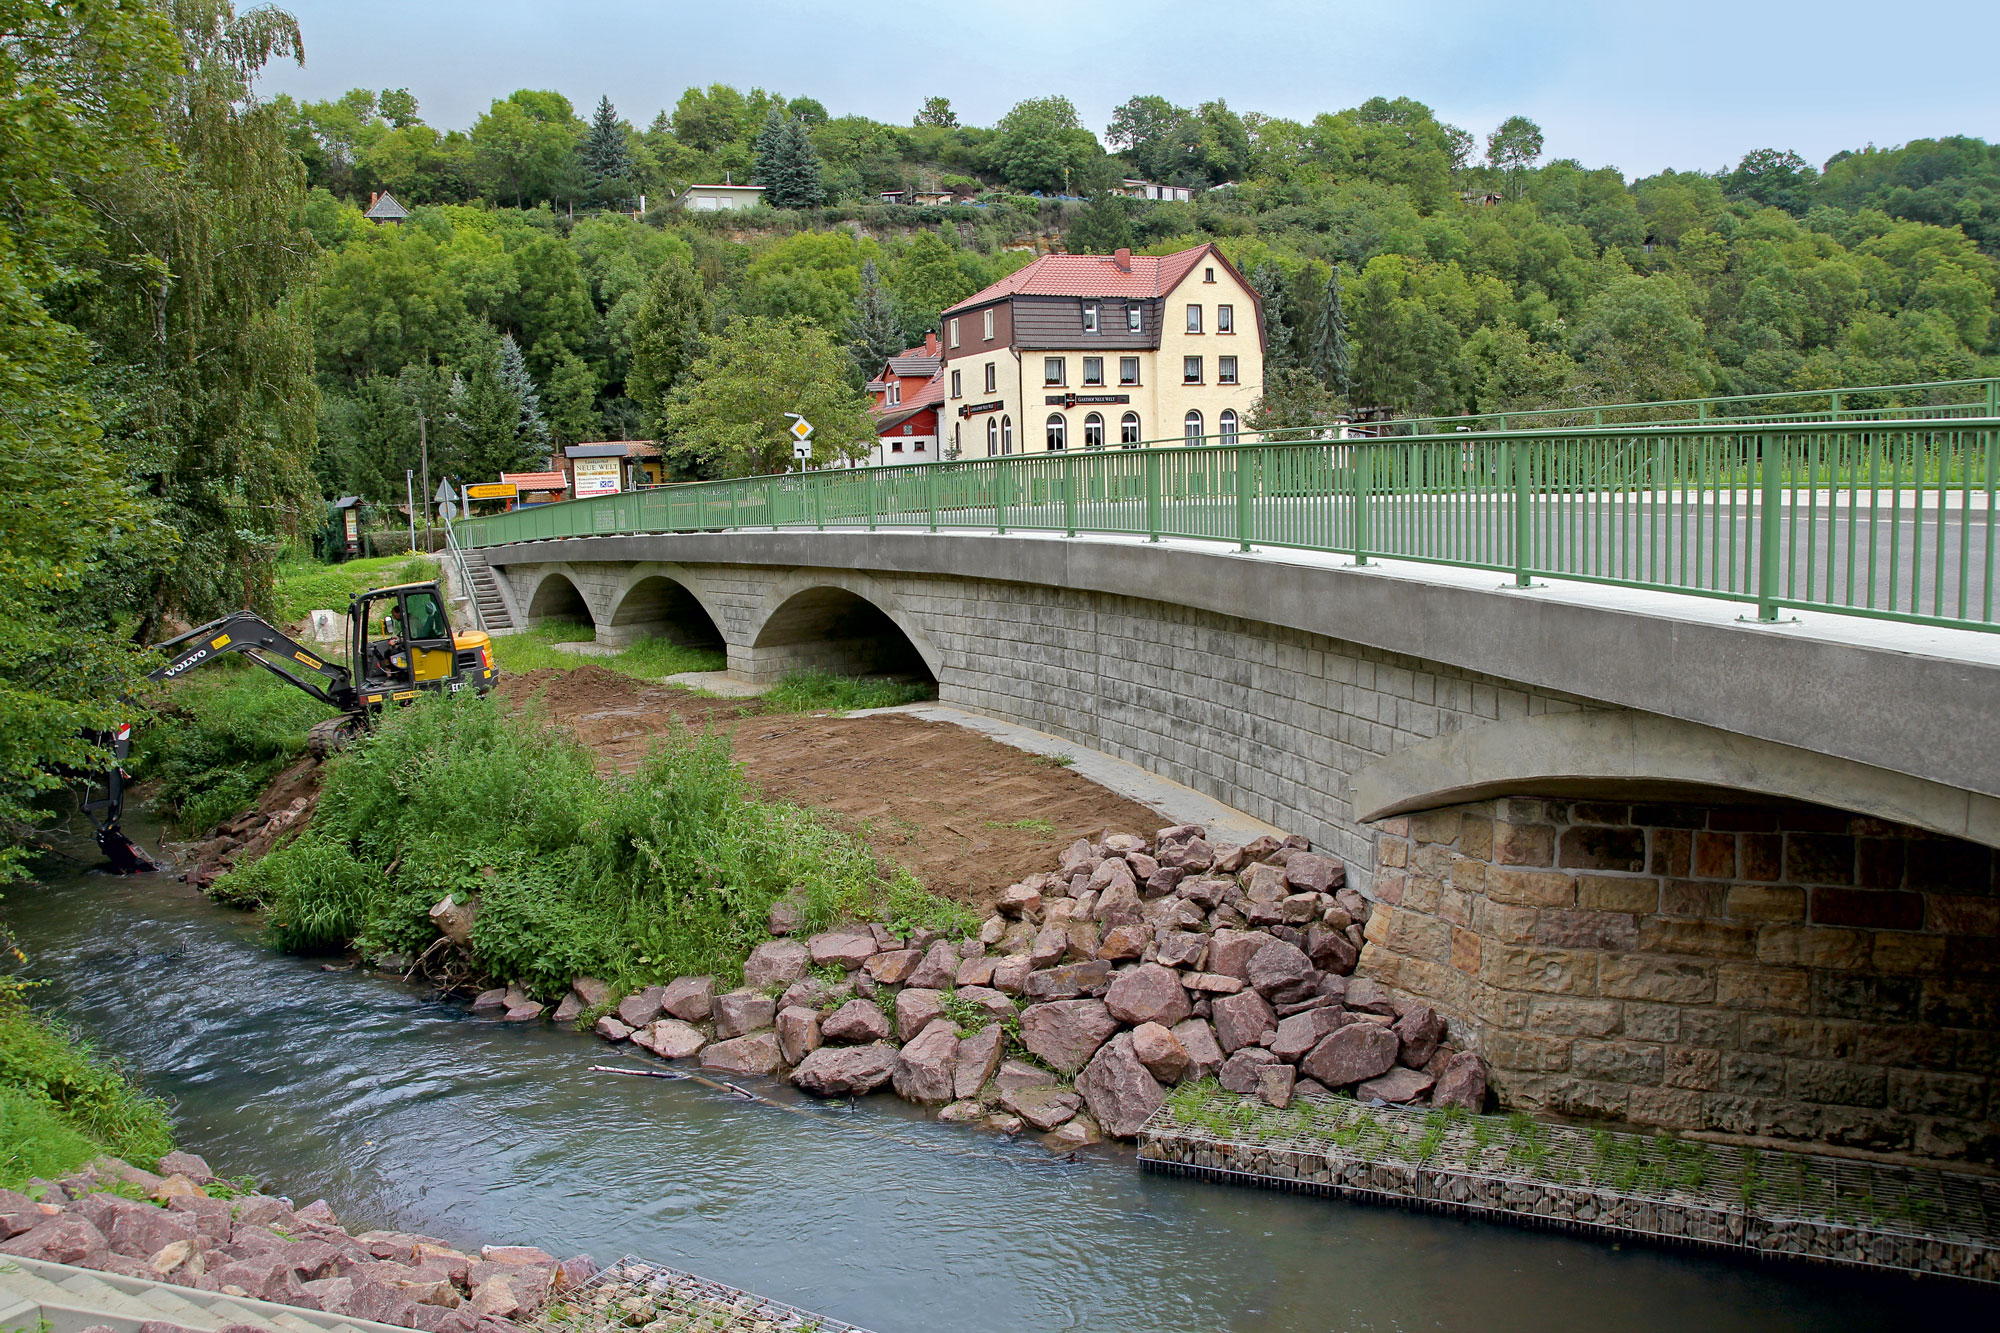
(801, 432)
(447, 500)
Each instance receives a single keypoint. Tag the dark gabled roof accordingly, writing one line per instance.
(386, 209)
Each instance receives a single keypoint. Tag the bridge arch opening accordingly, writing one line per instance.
(556, 598)
(659, 607)
(833, 629)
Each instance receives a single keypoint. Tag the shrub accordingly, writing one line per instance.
(60, 1105)
(813, 690)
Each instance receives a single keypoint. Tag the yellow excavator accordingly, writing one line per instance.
(399, 644)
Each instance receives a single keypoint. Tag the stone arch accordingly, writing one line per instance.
(556, 597)
(1608, 754)
(835, 621)
(660, 601)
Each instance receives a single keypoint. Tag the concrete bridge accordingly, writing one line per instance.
(1655, 861)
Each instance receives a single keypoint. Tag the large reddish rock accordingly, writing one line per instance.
(690, 999)
(63, 1240)
(842, 948)
(1182, 948)
(798, 1033)
(1275, 1084)
(1299, 1033)
(1242, 1020)
(1240, 1071)
(1161, 1052)
(1356, 1052)
(978, 1058)
(1230, 951)
(1119, 1090)
(855, 1022)
(845, 1071)
(1197, 1038)
(671, 1039)
(268, 1276)
(1398, 1087)
(1042, 1105)
(636, 1011)
(923, 1071)
(1282, 972)
(997, 1006)
(1421, 1031)
(1331, 950)
(1069, 981)
(915, 1008)
(1148, 993)
(1065, 1034)
(1463, 1083)
(939, 968)
(1309, 872)
(743, 1011)
(611, 1029)
(775, 963)
(892, 967)
(757, 1053)
(134, 1229)
(1192, 855)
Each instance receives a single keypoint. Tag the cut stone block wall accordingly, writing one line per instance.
(1781, 971)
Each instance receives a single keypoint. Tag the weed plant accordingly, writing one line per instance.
(668, 872)
(813, 691)
(221, 737)
(648, 659)
(61, 1106)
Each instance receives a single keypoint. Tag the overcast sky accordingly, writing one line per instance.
(1693, 84)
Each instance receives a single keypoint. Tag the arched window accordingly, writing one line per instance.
(1226, 423)
(992, 437)
(1191, 428)
(1006, 435)
(1093, 431)
(1058, 433)
(1128, 429)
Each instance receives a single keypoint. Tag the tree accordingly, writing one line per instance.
(573, 386)
(666, 337)
(1293, 398)
(814, 274)
(929, 276)
(1775, 179)
(1638, 341)
(607, 156)
(1327, 352)
(1042, 144)
(1101, 227)
(1280, 345)
(788, 164)
(937, 114)
(1512, 149)
(525, 146)
(398, 106)
(532, 429)
(873, 333)
(496, 415)
(1159, 137)
(726, 417)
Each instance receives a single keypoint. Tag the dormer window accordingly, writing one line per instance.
(1090, 316)
(1135, 321)
(895, 392)
(989, 326)
(954, 333)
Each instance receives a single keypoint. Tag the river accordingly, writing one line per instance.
(404, 1111)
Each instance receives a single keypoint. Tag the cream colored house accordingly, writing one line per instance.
(1099, 351)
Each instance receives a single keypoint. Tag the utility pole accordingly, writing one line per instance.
(424, 445)
(410, 497)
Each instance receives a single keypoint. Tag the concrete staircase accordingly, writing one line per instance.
(37, 1294)
(486, 591)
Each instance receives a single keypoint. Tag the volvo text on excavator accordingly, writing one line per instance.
(399, 643)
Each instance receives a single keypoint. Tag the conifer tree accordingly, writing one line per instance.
(873, 332)
(606, 157)
(788, 165)
(666, 337)
(531, 428)
(1327, 353)
(1280, 346)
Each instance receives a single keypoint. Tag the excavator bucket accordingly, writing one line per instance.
(122, 855)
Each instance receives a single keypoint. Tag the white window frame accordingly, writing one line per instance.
(992, 437)
(1123, 362)
(1090, 316)
(1226, 424)
(992, 376)
(1193, 318)
(1225, 370)
(988, 323)
(953, 330)
(1135, 319)
(957, 384)
(895, 392)
(1056, 433)
(1091, 378)
(1225, 319)
(1192, 427)
(1093, 430)
(1191, 363)
(1059, 365)
(1006, 434)
(1129, 433)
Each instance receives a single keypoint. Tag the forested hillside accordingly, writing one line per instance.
(1406, 265)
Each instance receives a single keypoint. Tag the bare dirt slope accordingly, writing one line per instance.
(967, 815)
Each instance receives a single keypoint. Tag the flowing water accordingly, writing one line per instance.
(404, 1111)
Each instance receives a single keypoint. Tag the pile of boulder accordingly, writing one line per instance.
(259, 1246)
(1135, 965)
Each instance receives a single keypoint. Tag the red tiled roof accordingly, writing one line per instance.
(1093, 275)
(537, 481)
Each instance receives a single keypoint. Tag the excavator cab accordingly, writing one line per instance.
(404, 643)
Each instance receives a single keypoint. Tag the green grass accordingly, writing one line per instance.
(304, 584)
(221, 736)
(665, 873)
(813, 691)
(648, 659)
(61, 1105)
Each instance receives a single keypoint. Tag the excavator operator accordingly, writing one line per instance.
(385, 657)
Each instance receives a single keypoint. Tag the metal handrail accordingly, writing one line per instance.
(464, 575)
(1890, 519)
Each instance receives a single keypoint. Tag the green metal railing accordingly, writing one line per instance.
(1930, 400)
(1870, 518)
